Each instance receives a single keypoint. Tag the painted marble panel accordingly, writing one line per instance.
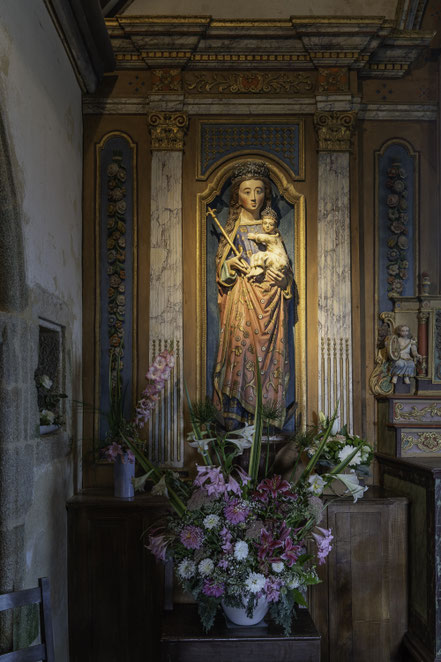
(334, 285)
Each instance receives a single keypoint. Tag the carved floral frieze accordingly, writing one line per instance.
(249, 82)
(168, 130)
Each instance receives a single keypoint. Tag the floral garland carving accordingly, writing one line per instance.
(438, 344)
(428, 442)
(398, 218)
(248, 83)
(415, 414)
(116, 253)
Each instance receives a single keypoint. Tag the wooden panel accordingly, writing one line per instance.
(114, 583)
(361, 608)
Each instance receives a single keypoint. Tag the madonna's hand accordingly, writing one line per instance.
(237, 264)
(277, 277)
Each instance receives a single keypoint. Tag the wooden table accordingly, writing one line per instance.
(183, 640)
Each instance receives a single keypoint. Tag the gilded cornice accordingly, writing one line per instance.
(167, 130)
(334, 130)
(373, 45)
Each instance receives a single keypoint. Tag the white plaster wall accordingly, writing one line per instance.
(248, 9)
(40, 100)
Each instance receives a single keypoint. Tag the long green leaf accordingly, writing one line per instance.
(315, 458)
(256, 448)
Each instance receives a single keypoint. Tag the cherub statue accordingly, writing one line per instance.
(403, 354)
(274, 257)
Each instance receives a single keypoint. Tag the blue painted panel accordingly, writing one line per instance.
(396, 224)
(116, 267)
(285, 212)
(221, 140)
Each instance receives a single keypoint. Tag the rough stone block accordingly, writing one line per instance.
(11, 421)
(16, 481)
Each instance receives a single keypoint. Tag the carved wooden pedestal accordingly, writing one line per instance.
(183, 640)
(360, 609)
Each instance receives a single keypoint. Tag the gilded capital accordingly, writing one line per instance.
(168, 130)
(335, 130)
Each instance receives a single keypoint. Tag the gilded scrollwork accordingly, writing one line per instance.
(415, 414)
(334, 130)
(168, 130)
(428, 442)
(248, 82)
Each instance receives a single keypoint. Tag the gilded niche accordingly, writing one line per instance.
(334, 130)
(168, 130)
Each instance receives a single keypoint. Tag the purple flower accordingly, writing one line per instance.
(235, 511)
(272, 589)
(214, 479)
(227, 546)
(274, 487)
(192, 537)
(323, 540)
(158, 546)
(213, 589)
(291, 552)
(223, 563)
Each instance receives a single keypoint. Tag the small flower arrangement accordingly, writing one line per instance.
(48, 401)
(239, 536)
(339, 446)
(121, 429)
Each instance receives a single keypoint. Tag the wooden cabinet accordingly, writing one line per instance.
(360, 609)
(114, 582)
(419, 479)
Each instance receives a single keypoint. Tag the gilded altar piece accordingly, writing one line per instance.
(253, 310)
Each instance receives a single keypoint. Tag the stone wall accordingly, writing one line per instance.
(40, 258)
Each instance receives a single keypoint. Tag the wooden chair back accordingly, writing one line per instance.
(41, 596)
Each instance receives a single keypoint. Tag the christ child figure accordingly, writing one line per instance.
(274, 257)
(405, 366)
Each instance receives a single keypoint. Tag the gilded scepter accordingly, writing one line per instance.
(213, 215)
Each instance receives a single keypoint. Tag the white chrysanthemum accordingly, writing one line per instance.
(186, 569)
(240, 550)
(294, 582)
(211, 521)
(255, 582)
(365, 451)
(346, 451)
(206, 567)
(316, 484)
(277, 566)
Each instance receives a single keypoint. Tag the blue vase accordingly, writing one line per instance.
(124, 471)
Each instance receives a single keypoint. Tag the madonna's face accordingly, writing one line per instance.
(252, 195)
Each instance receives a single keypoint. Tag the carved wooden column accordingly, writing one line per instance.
(166, 307)
(334, 132)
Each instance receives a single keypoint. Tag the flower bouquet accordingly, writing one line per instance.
(48, 404)
(237, 538)
(339, 446)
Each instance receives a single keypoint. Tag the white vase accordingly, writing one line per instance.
(238, 615)
(124, 471)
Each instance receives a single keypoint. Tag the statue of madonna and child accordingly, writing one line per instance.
(255, 289)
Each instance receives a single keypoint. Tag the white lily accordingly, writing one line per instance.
(160, 489)
(245, 437)
(353, 486)
(202, 445)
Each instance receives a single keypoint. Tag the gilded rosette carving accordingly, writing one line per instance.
(334, 130)
(168, 130)
(166, 80)
(333, 79)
